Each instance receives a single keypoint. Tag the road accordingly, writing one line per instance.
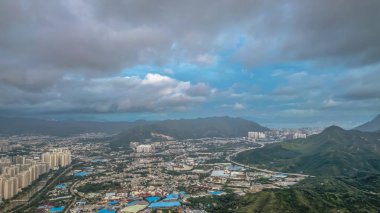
(262, 144)
(43, 190)
(74, 195)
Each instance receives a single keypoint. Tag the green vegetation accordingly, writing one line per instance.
(215, 161)
(334, 152)
(263, 181)
(321, 194)
(41, 195)
(347, 166)
(364, 181)
(371, 126)
(217, 204)
(174, 173)
(203, 176)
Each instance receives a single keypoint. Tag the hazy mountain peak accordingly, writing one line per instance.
(191, 128)
(371, 126)
(332, 129)
(334, 152)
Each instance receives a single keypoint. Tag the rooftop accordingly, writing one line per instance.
(57, 209)
(165, 204)
(219, 173)
(106, 211)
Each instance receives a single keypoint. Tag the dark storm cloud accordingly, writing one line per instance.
(362, 84)
(329, 32)
(49, 37)
(153, 93)
(97, 37)
(68, 55)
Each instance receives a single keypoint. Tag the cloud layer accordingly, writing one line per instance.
(295, 58)
(154, 92)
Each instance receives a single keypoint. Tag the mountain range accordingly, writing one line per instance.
(371, 126)
(190, 128)
(131, 131)
(334, 152)
(346, 166)
(32, 126)
(315, 195)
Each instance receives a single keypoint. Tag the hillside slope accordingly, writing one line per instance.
(312, 195)
(14, 126)
(191, 128)
(370, 126)
(333, 152)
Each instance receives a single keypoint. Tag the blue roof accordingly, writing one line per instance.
(98, 160)
(81, 174)
(57, 209)
(113, 202)
(106, 211)
(234, 168)
(165, 204)
(152, 199)
(171, 197)
(60, 186)
(215, 192)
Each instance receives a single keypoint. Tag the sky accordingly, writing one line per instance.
(283, 64)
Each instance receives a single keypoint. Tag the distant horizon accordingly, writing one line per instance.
(269, 125)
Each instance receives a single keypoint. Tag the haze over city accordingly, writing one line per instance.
(299, 63)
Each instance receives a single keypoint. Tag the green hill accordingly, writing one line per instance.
(347, 169)
(334, 152)
(191, 128)
(346, 165)
(316, 195)
(32, 126)
(371, 126)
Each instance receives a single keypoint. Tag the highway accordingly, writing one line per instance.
(262, 144)
(43, 190)
(74, 195)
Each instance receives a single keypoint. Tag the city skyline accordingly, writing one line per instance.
(282, 65)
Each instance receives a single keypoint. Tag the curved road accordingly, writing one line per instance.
(262, 144)
(73, 194)
(43, 190)
(228, 158)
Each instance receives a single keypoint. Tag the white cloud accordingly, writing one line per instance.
(239, 106)
(300, 112)
(330, 103)
(205, 59)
